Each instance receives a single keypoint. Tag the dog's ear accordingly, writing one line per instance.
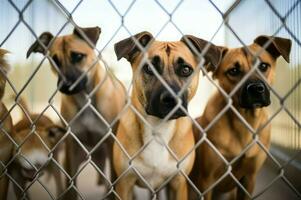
(3, 64)
(45, 39)
(4, 68)
(55, 132)
(278, 46)
(3, 52)
(91, 32)
(128, 48)
(213, 54)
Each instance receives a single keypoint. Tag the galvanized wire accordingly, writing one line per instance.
(89, 104)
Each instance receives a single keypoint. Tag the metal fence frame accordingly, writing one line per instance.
(203, 130)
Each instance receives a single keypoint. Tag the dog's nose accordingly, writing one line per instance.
(256, 88)
(168, 100)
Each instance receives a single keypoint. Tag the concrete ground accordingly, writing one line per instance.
(279, 190)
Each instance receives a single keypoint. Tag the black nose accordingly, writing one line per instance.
(256, 88)
(167, 100)
(68, 83)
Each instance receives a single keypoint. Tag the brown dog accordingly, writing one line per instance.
(33, 156)
(73, 55)
(229, 134)
(175, 63)
(6, 144)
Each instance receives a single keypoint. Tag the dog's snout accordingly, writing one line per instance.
(167, 99)
(68, 81)
(254, 93)
(163, 102)
(256, 88)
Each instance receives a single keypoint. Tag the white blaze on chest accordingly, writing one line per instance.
(155, 163)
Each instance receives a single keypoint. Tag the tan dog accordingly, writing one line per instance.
(175, 63)
(229, 134)
(73, 55)
(33, 156)
(6, 144)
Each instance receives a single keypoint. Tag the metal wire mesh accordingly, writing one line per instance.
(89, 105)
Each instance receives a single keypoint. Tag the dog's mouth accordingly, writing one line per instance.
(254, 94)
(164, 113)
(67, 87)
(253, 105)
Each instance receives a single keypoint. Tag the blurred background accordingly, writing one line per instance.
(197, 17)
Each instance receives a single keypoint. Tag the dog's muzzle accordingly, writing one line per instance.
(162, 102)
(254, 94)
(65, 85)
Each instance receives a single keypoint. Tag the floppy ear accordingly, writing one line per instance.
(3, 64)
(213, 55)
(3, 52)
(278, 47)
(45, 39)
(91, 32)
(4, 70)
(127, 48)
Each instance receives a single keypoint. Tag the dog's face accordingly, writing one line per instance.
(4, 67)
(72, 55)
(33, 154)
(236, 63)
(174, 62)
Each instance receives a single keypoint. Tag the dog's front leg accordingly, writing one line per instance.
(99, 158)
(110, 156)
(111, 164)
(55, 171)
(204, 184)
(178, 189)
(19, 189)
(248, 182)
(125, 187)
(72, 162)
(3, 186)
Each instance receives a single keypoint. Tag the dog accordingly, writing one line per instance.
(6, 144)
(229, 134)
(32, 158)
(73, 54)
(177, 64)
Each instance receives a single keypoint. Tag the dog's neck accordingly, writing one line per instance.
(158, 129)
(136, 102)
(250, 115)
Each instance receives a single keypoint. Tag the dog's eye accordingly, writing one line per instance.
(263, 67)
(147, 69)
(51, 134)
(76, 57)
(185, 71)
(235, 71)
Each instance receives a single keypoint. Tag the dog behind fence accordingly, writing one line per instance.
(145, 135)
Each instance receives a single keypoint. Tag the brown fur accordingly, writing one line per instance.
(131, 129)
(50, 133)
(108, 98)
(229, 135)
(6, 145)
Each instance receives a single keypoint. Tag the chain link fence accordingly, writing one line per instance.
(63, 134)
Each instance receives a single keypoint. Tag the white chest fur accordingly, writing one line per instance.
(155, 163)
